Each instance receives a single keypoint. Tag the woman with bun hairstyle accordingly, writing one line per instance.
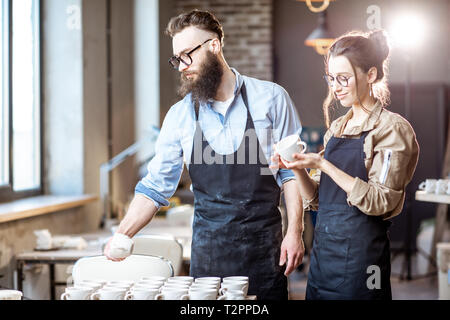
(370, 156)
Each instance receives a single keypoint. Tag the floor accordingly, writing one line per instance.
(419, 288)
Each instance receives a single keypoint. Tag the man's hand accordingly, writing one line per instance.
(106, 252)
(118, 247)
(292, 250)
(139, 214)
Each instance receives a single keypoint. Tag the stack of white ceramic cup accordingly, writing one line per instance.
(204, 288)
(82, 290)
(146, 289)
(161, 288)
(234, 288)
(175, 288)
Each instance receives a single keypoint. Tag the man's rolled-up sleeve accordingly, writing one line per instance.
(286, 175)
(165, 168)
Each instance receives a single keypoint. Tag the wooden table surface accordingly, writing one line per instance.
(96, 239)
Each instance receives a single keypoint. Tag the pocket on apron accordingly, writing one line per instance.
(331, 255)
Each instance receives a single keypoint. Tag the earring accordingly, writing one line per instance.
(370, 90)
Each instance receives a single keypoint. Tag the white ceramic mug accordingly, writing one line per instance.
(202, 294)
(236, 278)
(109, 294)
(150, 283)
(175, 285)
(77, 293)
(10, 295)
(120, 283)
(441, 186)
(208, 280)
(142, 294)
(185, 279)
(146, 285)
(429, 185)
(177, 282)
(233, 295)
(289, 145)
(94, 285)
(173, 294)
(205, 285)
(116, 286)
(155, 278)
(234, 285)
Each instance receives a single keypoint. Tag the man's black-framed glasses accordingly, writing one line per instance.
(341, 79)
(185, 57)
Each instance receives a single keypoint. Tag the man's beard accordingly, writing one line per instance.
(207, 82)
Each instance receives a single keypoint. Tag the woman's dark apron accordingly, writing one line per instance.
(237, 225)
(350, 258)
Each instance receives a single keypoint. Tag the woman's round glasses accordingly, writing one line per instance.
(184, 57)
(341, 79)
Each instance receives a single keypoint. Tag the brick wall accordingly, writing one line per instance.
(247, 26)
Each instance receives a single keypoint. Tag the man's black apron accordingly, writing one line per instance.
(237, 225)
(348, 245)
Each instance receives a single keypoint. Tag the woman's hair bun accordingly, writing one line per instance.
(380, 40)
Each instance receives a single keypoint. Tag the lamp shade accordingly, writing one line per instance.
(320, 38)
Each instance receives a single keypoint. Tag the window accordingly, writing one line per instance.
(20, 125)
(4, 146)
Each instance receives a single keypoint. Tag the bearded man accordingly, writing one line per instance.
(223, 129)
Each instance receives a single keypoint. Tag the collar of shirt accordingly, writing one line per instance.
(367, 125)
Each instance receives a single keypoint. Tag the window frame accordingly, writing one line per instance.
(7, 192)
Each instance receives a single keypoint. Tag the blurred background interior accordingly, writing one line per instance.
(85, 86)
